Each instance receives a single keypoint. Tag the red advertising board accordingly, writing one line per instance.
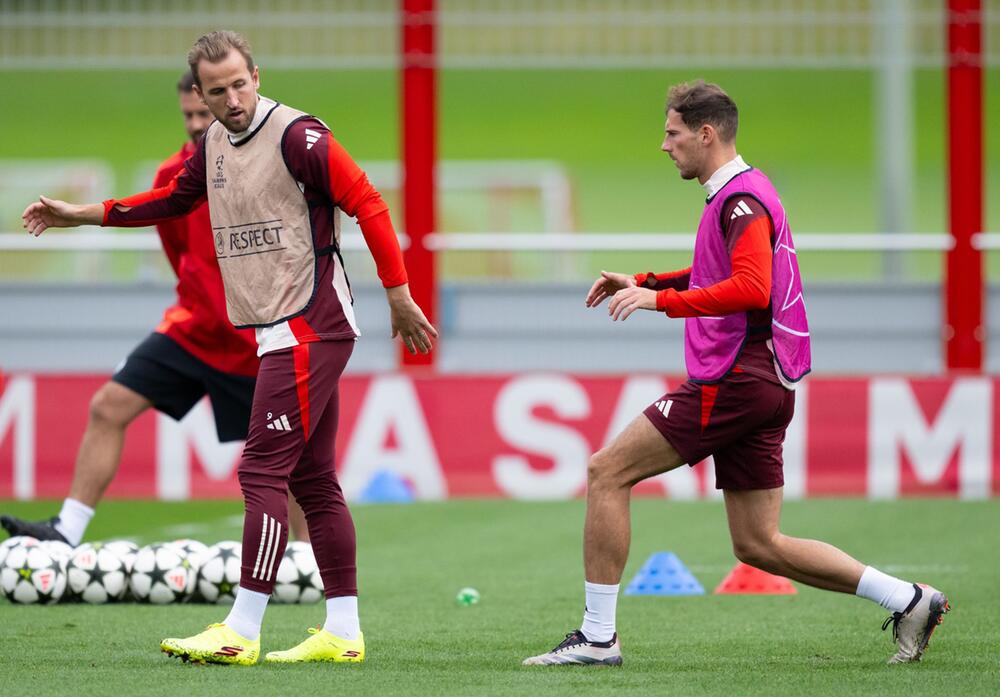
(525, 436)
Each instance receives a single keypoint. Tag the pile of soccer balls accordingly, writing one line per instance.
(168, 572)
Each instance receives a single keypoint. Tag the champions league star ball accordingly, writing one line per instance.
(11, 542)
(160, 575)
(95, 574)
(124, 549)
(193, 552)
(298, 579)
(60, 551)
(191, 548)
(30, 574)
(219, 572)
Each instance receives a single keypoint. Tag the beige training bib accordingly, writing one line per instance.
(260, 221)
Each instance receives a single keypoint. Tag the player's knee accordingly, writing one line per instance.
(603, 470)
(108, 407)
(260, 485)
(308, 490)
(755, 552)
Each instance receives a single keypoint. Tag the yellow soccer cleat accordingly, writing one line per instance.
(217, 644)
(321, 647)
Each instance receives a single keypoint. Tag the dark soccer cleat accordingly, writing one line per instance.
(41, 530)
(912, 628)
(576, 649)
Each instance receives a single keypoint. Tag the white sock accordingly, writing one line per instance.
(888, 591)
(342, 617)
(73, 520)
(599, 614)
(248, 613)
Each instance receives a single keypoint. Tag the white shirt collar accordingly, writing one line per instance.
(264, 106)
(722, 175)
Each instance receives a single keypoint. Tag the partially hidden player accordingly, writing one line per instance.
(193, 352)
(276, 181)
(746, 345)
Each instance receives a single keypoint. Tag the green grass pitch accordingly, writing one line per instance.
(525, 560)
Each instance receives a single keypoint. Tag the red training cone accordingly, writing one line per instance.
(748, 580)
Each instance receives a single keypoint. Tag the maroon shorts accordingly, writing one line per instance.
(741, 421)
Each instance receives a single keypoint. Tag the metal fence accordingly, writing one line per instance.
(75, 34)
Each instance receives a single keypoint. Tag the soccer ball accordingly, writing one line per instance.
(124, 549)
(190, 548)
(30, 575)
(95, 574)
(193, 551)
(160, 575)
(11, 542)
(60, 551)
(298, 579)
(219, 572)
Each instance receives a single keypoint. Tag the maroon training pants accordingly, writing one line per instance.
(290, 444)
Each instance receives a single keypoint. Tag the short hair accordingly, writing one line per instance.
(186, 83)
(214, 47)
(701, 103)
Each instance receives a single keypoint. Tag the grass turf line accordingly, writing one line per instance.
(525, 560)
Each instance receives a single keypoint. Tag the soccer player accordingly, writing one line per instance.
(193, 352)
(746, 345)
(276, 180)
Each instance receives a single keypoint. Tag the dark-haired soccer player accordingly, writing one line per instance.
(193, 352)
(746, 344)
(276, 181)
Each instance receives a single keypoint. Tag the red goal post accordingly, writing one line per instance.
(964, 286)
(418, 130)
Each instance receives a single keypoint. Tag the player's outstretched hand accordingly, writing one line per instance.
(628, 300)
(50, 212)
(409, 322)
(607, 285)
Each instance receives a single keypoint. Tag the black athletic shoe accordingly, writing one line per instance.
(576, 649)
(41, 530)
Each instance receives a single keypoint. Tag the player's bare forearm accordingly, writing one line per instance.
(46, 213)
(408, 320)
(628, 300)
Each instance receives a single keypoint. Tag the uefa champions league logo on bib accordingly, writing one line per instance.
(220, 178)
(220, 244)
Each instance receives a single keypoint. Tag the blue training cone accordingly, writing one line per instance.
(664, 574)
(386, 486)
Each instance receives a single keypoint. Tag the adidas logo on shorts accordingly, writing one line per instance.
(664, 406)
(280, 424)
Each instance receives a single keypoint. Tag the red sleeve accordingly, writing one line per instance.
(317, 160)
(678, 280)
(384, 246)
(179, 197)
(748, 288)
(172, 232)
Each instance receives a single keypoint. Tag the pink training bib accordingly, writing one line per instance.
(712, 344)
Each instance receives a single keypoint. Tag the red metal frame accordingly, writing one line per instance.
(418, 116)
(964, 283)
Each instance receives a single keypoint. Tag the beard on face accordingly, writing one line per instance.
(690, 169)
(239, 123)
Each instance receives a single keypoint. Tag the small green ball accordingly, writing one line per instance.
(467, 597)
